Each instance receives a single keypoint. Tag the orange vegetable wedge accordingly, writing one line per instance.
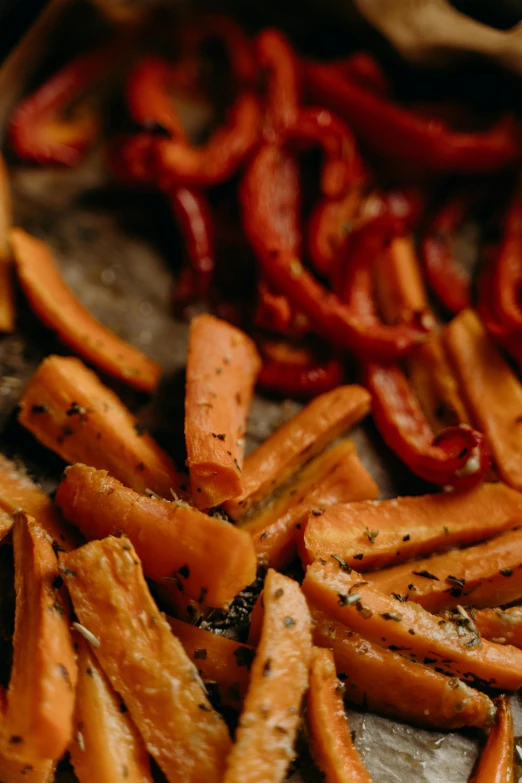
(491, 391)
(106, 744)
(59, 309)
(222, 367)
(69, 410)
(495, 764)
(212, 560)
(401, 296)
(386, 682)
(488, 574)
(270, 718)
(337, 476)
(144, 661)
(17, 491)
(7, 296)
(329, 734)
(38, 720)
(12, 771)
(502, 626)
(222, 663)
(372, 534)
(299, 440)
(389, 622)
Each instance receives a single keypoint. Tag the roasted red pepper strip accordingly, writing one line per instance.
(407, 204)
(330, 222)
(458, 457)
(510, 341)
(265, 199)
(364, 69)
(449, 282)
(276, 58)
(38, 129)
(273, 311)
(506, 295)
(342, 166)
(400, 135)
(192, 213)
(180, 164)
(300, 381)
(148, 99)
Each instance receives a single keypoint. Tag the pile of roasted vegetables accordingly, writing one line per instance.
(397, 605)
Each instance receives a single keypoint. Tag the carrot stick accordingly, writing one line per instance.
(401, 295)
(336, 476)
(372, 534)
(502, 626)
(69, 410)
(221, 662)
(296, 442)
(17, 491)
(222, 366)
(40, 699)
(496, 761)
(387, 683)
(7, 296)
(211, 560)
(268, 724)
(106, 744)
(144, 662)
(12, 771)
(488, 574)
(387, 621)
(59, 309)
(491, 391)
(329, 733)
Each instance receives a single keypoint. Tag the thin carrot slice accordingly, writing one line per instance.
(491, 391)
(387, 621)
(12, 771)
(496, 761)
(212, 560)
(268, 724)
(390, 684)
(401, 295)
(330, 739)
(337, 476)
(40, 699)
(372, 534)
(222, 663)
(7, 297)
(502, 626)
(488, 574)
(106, 744)
(296, 442)
(144, 662)
(59, 309)
(222, 367)
(17, 491)
(69, 410)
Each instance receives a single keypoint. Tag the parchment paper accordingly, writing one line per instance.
(117, 249)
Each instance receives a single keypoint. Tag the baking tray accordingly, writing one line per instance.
(117, 249)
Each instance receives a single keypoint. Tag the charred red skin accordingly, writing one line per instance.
(148, 99)
(278, 63)
(448, 281)
(30, 128)
(267, 202)
(401, 136)
(194, 219)
(363, 69)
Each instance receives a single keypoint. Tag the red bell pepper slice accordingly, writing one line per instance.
(330, 222)
(277, 61)
(293, 372)
(148, 99)
(364, 69)
(449, 282)
(265, 202)
(457, 457)
(39, 130)
(342, 167)
(194, 219)
(400, 135)
(181, 164)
